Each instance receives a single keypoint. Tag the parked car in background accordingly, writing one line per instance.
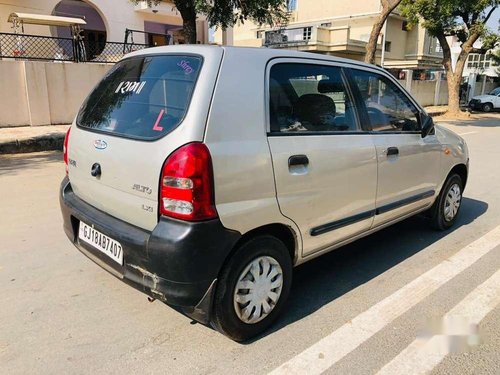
(487, 102)
(201, 175)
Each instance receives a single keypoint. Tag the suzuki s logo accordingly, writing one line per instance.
(100, 144)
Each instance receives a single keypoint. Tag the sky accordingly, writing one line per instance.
(493, 21)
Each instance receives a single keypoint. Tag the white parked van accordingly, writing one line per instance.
(201, 175)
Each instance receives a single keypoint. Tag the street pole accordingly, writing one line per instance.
(382, 57)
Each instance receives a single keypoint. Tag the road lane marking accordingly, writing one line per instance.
(421, 356)
(332, 348)
(467, 133)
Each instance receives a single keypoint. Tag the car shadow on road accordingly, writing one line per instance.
(328, 277)
(478, 119)
(12, 164)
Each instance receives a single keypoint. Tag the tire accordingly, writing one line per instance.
(487, 107)
(228, 314)
(442, 217)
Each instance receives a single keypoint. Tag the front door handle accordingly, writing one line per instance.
(298, 160)
(392, 151)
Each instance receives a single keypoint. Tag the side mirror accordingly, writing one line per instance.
(427, 125)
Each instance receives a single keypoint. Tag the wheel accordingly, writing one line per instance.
(487, 107)
(252, 288)
(445, 209)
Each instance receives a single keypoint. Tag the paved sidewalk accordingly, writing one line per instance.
(32, 138)
(436, 110)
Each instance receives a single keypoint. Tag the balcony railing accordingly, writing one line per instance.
(35, 47)
(287, 37)
(313, 37)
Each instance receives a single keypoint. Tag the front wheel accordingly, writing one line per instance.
(487, 107)
(252, 288)
(445, 209)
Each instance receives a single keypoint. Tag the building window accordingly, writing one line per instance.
(259, 34)
(307, 32)
(477, 60)
(438, 49)
(388, 46)
(404, 26)
(434, 46)
(291, 5)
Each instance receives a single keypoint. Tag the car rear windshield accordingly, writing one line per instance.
(142, 97)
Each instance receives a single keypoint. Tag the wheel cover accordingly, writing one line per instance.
(452, 202)
(258, 289)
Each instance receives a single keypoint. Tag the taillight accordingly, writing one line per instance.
(65, 149)
(187, 190)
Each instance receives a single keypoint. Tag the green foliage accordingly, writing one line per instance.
(489, 41)
(227, 13)
(461, 18)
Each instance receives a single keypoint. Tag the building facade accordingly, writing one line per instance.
(480, 64)
(107, 20)
(341, 28)
(480, 74)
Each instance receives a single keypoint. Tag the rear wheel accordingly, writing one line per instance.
(445, 210)
(487, 107)
(253, 288)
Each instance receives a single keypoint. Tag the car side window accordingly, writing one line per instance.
(388, 108)
(308, 98)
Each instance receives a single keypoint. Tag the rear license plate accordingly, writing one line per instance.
(101, 242)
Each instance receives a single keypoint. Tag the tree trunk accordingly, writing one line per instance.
(454, 78)
(454, 81)
(453, 93)
(188, 13)
(371, 48)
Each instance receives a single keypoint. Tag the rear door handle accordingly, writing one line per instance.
(392, 151)
(298, 160)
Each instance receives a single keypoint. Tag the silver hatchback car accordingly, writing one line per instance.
(201, 175)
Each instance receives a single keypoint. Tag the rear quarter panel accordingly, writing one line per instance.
(245, 193)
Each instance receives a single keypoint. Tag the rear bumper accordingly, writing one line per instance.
(177, 263)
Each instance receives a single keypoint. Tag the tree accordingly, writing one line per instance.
(371, 48)
(463, 19)
(226, 13)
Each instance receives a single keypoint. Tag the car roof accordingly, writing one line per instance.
(261, 53)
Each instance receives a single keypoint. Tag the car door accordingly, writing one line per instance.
(324, 164)
(496, 103)
(408, 165)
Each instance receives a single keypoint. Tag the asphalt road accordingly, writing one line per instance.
(60, 313)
